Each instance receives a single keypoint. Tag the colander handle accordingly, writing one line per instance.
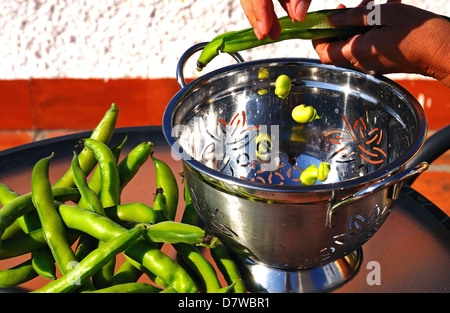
(189, 52)
(381, 184)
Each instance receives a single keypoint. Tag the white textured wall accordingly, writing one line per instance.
(133, 38)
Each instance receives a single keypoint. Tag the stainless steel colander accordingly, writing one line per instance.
(243, 155)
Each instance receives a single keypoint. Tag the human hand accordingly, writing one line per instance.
(262, 16)
(408, 40)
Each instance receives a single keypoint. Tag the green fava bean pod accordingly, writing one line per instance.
(126, 273)
(200, 265)
(42, 260)
(160, 206)
(95, 184)
(147, 255)
(131, 212)
(12, 231)
(27, 243)
(315, 26)
(228, 268)
(165, 179)
(151, 258)
(93, 262)
(175, 232)
(85, 245)
(102, 132)
(131, 164)
(110, 182)
(52, 225)
(91, 197)
(43, 263)
(227, 289)
(6, 194)
(190, 215)
(22, 244)
(17, 275)
(109, 195)
(23, 204)
(129, 288)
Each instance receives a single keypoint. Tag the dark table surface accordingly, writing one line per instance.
(410, 252)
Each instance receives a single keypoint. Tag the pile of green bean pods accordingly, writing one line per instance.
(74, 230)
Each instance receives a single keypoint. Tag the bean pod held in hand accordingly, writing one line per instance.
(315, 26)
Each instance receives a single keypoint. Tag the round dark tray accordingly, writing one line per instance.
(410, 253)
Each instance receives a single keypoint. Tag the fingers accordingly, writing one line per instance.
(296, 9)
(359, 52)
(261, 15)
(300, 9)
(275, 30)
(358, 16)
(365, 2)
(337, 52)
(354, 17)
(330, 52)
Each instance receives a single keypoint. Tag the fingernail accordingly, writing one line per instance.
(301, 10)
(257, 30)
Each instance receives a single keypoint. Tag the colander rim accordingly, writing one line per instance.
(377, 175)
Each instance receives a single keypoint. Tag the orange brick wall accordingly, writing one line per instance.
(58, 106)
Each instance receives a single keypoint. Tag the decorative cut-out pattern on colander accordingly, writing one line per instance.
(211, 220)
(367, 142)
(235, 138)
(360, 226)
(360, 229)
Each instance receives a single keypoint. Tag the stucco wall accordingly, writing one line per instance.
(134, 38)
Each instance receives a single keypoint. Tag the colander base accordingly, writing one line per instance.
(262, 278)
